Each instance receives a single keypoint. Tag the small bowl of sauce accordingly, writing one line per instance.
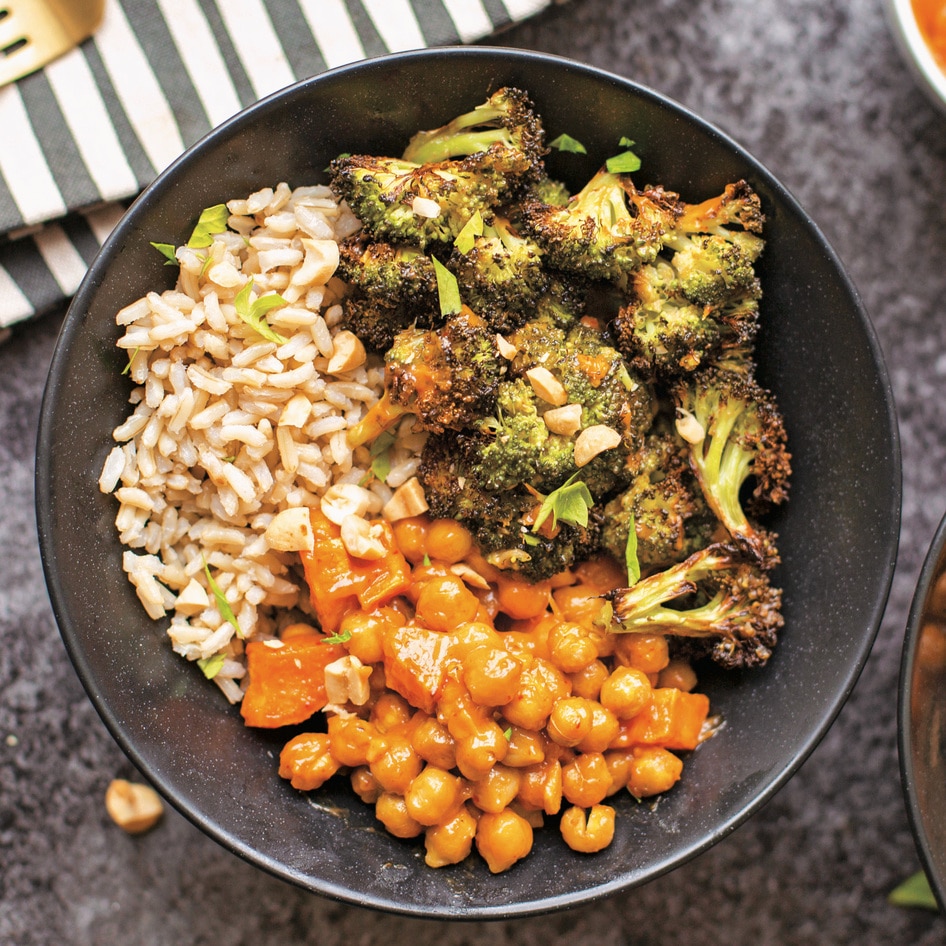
(920, 29)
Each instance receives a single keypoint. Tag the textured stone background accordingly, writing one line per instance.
(817, 92)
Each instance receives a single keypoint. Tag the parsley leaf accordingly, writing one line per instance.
(211, 220)
(211, 665)
(381, 452)
(253, 313)
(915, 891)
(626, 162)
(343, 637)
(471, 230)
(567, 143)
(167, 250)
(569, 503)
(630, 553)
(447, 289)
(223, 606)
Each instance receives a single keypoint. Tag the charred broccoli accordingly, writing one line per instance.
(506, 119)
(376, 321)
(664, 503)
(393, 273)
(606, 230)
(501, 277)
(735, 432)
(730, 608)
(424, 204)
(447, 377)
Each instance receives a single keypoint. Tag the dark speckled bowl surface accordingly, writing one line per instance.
(838, 535)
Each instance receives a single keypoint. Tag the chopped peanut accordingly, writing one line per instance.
(473, 578)
(193, 599)
(689, 428)
(425, 207)
(506, 348)
(133, 807)
(346, 681)
(408, 500)
(547, 386)
(346, 499)
(349, 353)
(362, 539)
(565, 420)
(593, 441)
(296, 412)
(290, 531)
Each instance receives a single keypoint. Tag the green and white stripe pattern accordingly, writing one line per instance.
(85, 134)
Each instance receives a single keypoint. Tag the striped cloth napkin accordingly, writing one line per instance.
(84, 135)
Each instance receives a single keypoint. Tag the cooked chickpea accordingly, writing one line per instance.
(525, 748)
(297, 629)
(587, 681)
(497, 789)
(366, 632)
(390, 710)
(626, 692)
(349, 737)
(365, 785)
(393, 762)
(571, 647)
(434, 744)
(619, 762)
(605, 727)
(654, 770)
(448, 541)
(502, 839)
(432, 795)
(391, 811)
(451, 841)
(410, 535)
(540, 687)
(571, 720)
(522, 599)
(491, 675)
(588, 833)
(586, 779)
(472, 634)
(540, 786)
(444, 602)
(307, 762)
(679, 675)
(647, 652)
(478, 753)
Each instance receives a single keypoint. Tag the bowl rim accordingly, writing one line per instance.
(845, 684)
(933, 564)
(916, 51)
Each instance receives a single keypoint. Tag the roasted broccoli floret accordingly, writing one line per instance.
(501, 277)
(501, 522)
(670, 517)
(663, 332)
(549, 190)
(401, 201)
(606, 230)
(737, 206)
(377, 322)
(447, 378)
(564, 302)
(736, 432)
(730, 608)
(394, 272)
(506, 119)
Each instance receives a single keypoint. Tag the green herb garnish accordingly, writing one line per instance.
(167, 250)
(342, 637)
(211, 220)
(131, 358)
(211, 665)
(508, 733)
(223, 606)
(567, 143)
(426, 560)
(447, 289)
(626, 162)
(630, 553)
(471, 230)
(380, 450)
(569, 503)
(915, 891)
(253, 313)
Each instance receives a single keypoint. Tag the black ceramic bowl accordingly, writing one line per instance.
(838, 534)
(922, 715)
